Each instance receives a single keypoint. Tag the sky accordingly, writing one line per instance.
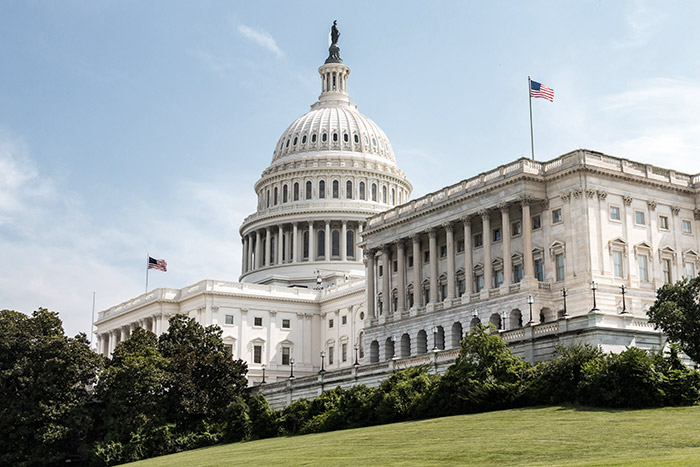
(134, 128)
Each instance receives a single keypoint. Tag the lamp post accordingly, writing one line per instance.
(393, 346)
(357, 349)
(530, 301)
(624, 305)
(323, 358)
(435, 331)
(594, 287)
(263, 369)
(563, 294)
(291, 368)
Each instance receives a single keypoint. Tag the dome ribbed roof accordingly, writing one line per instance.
(345, 129)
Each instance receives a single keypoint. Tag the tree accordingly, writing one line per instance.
(202, 377)
(45, 381)
(676, 312)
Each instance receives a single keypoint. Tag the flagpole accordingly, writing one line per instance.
(147, 258)
(532, 137)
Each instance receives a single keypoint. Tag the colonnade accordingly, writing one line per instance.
(299, 241)
(107, 341)
(397, 250)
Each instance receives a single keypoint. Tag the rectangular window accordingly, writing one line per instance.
(498, 278)
(285, 355)
(478, 240)
(344, 352)
(643, 263)
(515, 228)
(556, 216)
(517, 273)
(689, 271)
(443, 251)
(479, 282)
(663, 222)
(257, 321)
(426, 256)
(410, 261)
(615, 213)
(443, 292)
(639, 218)
(257, 354)
(395, 265)
(666, 268)
(381, 270)
(539, 270)
(460, 246)
(330, 355)
(228, 348)
(229, 319)
(462, 287)
(286, 324)
(497, 234)
(559, 260)
(536, 222)
(617, 263)
(344, 320)
(330, 323)
(687, 227)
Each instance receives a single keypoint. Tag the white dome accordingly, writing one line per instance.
(335, 127)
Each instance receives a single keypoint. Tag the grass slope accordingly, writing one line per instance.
(530, 436)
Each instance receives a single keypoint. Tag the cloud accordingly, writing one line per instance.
(262, 38)
(641, 26)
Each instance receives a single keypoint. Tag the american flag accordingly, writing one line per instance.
(158, 264)
(540, 90)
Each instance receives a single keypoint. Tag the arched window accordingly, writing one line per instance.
(275, 197)
(335, 137)
(350, 244)
(268, 198)
(357, 139)
(362, 190)
(296, 191)
(321, 243)
(374, 192)
(346, 138)
(393, 196)
(335, 243)
(308, 190)
(348, 189)
(313, 138)
(303, 139)
(295, 141)
(384, 194)
(322, 189)
(324, 137)
(306, 244)
(284, 194)
(335, 189)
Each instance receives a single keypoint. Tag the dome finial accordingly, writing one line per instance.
(334, 50)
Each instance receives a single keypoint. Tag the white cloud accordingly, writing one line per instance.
(642, 22)
(262, 38)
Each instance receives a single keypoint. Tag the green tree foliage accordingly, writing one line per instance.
(676, 312)
(485, 376)
(45, 381)
(264, 421)
(202, 377)
(132, 387)
(403, 394)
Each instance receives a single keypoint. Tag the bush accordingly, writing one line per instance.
(402, 396)
(294, 416)
(264, 422)
(237, 425)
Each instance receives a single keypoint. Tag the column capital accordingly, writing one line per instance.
(696, 214)
(651, 205)
(466, 219)
(415, 238)
(448, 226)
(400, 243)
(345, 222)
(627, 200)
(432, 232)
(267, 229)
(504, 206)
(675, 210)
(484, 214)
(602, 194)
(525, 199)
(544, 204)
(385, 248)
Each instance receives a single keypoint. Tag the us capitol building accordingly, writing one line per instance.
(345, 278)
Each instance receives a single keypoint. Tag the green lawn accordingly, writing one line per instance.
(531, 436)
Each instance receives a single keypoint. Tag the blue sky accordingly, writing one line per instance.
(129, 127)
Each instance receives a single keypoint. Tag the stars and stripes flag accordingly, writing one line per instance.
(158, 264)
(540, 90)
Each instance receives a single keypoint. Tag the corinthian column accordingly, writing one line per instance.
(400, 256)
(280, 247)
(258, 253)
(505, 237)
(468, 261)
(268, 243)
(328, 241)
(312, 253)
(295, 242)
(371, 295)
(450, 261)
(486, 237)
(343, 242)
(432, 235)
(417, 286)
(386, 292)
(529, 270)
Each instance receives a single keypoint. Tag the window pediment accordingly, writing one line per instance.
(617, 244)
(557, 247)
(667, 253)
(642, 247)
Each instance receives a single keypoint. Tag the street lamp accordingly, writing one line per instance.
(563, 294)
(291, 368)
(357, 349)
(393, 346)
(624, 305)
(323, 358)
(435, 331)
(594, 287)
(530, 301)
(263, 369)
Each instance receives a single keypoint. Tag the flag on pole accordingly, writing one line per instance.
(540, 90)
(158, 264)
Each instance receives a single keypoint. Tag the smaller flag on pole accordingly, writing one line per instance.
(540, 90)
(158, 264)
